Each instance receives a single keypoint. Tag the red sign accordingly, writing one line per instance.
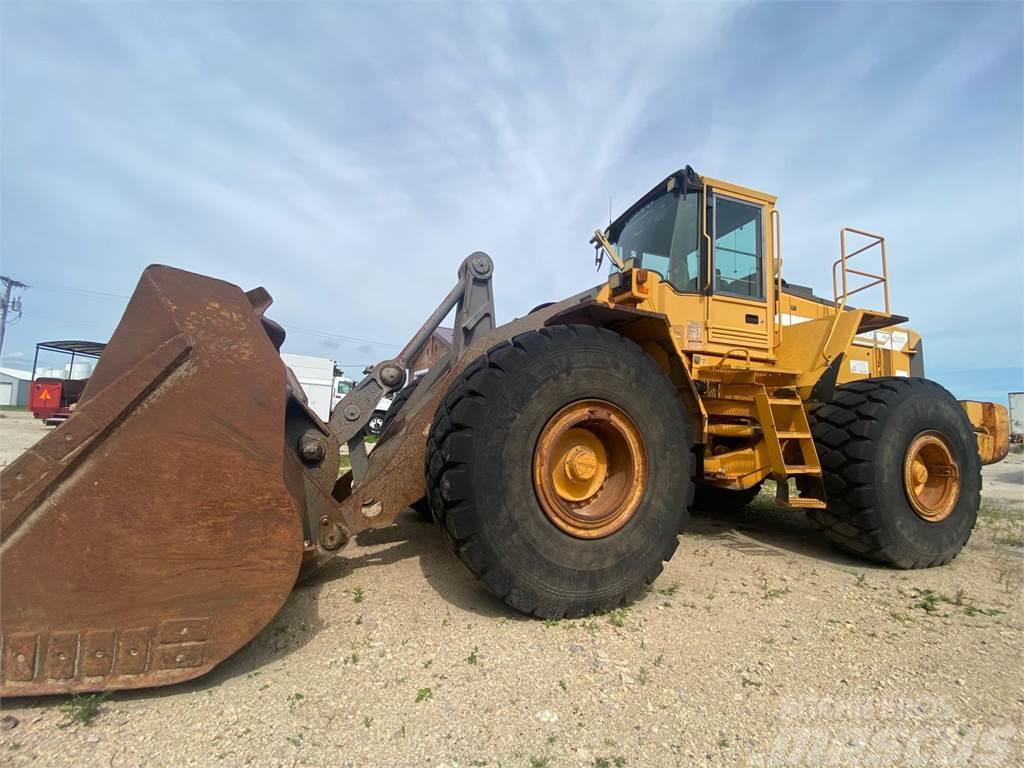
(44, 398)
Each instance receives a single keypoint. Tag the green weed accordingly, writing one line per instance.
(82, 709)
(670, 590)
(929, 602)
(617, 617)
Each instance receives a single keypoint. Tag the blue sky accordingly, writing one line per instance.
(347, 156)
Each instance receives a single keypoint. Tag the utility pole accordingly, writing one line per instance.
(7, 304)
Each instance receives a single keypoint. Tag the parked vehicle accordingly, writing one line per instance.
(53, 397)
(325, 386)
(1017, 417)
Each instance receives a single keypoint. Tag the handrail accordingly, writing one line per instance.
(728, 354)
(841, 297)
(777, 253)
(832, 329)
(707, 237)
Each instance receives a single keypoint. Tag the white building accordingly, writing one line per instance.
(14, 386)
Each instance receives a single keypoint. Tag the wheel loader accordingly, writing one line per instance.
(163, 525)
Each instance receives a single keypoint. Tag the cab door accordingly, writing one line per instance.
(739, 309)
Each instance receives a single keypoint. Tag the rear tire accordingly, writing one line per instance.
(710, 498)
(480, 470)
(863, 437)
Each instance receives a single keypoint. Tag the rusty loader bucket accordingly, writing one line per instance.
(154, 534)
(163, 525)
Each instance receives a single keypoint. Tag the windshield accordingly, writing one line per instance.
(663, 236)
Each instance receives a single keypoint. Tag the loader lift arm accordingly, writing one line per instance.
(379, 486)
(474, 299)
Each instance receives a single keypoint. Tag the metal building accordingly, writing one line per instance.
(14, 386)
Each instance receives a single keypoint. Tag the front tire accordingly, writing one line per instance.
(901, 471)
(544, 542)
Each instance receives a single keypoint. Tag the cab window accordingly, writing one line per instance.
(663, 236)
(739, 255)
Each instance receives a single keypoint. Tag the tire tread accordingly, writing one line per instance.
(449, 450)
(845, 431)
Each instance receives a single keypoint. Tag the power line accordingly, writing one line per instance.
(52, 319)
(87, 291)
(337, 336)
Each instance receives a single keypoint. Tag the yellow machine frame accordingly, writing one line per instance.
(747, 368)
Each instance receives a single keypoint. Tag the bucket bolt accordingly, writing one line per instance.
(312, 447)
(331, 536)
(391, 374)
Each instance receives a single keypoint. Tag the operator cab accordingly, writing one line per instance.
(663, 232)
(712, 244)
(716, 247)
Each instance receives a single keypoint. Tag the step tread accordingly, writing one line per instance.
(785, 401)
(734, 430)
(802, 469)
(806, 504)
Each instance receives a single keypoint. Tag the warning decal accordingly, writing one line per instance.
(693, 335)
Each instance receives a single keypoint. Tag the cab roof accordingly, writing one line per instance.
(686, 180)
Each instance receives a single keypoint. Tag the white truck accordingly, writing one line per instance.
(1016, 417)
(325, 387)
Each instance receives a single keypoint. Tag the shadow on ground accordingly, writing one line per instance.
(763, 528)
(759, 530)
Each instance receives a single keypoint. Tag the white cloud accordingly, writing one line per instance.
(347, 156)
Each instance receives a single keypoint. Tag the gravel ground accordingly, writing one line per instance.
(759, 646)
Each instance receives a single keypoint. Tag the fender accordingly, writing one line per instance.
(652, 332)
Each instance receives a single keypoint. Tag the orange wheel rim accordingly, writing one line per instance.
(931, 477)
(590, 469)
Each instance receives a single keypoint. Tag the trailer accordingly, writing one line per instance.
(316, 375)
(52, 397)
(1016, 417)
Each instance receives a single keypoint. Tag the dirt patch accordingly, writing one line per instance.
(19, 430)
(1004, 482)
(759, 645)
